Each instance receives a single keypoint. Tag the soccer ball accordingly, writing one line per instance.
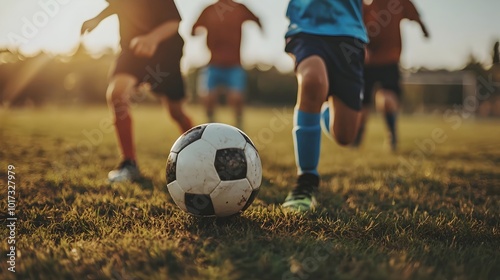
(213, 170)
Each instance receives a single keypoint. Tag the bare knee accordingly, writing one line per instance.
(313, 84)
(119, 89)
(116, 96)
(314, 87)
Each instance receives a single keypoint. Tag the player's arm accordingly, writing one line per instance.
(92, 23)
(252, 17)
(146, 45)
(424, 29)
(411, 13)
(199, 23)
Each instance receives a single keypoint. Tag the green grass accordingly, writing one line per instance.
(432, 211)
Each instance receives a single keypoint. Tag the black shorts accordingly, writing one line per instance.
(343, 57)
(386, 76)
(162, 71)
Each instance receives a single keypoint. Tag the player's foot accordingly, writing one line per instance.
(325, 120)
(391, 143)
(126, 171)
(301, 198)
(394, 146)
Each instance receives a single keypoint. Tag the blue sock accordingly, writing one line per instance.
(390, 119)
(307, 140)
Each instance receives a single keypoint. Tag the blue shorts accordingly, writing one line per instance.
(344, 59)
(233, 78)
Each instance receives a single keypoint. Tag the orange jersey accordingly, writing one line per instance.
(382, 20)
(223, 21)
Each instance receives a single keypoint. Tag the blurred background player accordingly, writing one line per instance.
(151, 49)
(223, 21)
(326, 39)
(382, 76)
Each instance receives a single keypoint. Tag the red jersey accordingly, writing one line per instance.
(223, 21)
(139, 17)
(382, 20)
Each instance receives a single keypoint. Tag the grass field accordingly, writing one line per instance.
(432, 211)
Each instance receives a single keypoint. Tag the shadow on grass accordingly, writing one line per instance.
(145, 183)
(254, 249)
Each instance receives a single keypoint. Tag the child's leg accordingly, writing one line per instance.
(365, 111)
(176, 110)
(236, 100)
(117, 95)
(344, 121)
(387, 102)
(313, 88)
(210, 100)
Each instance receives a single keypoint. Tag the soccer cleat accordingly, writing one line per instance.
(301, 198)
(126, 171)
(325, 120)
(394, 143)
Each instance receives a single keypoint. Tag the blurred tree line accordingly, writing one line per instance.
(81, 79)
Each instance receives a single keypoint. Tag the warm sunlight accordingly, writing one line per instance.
(54, 26)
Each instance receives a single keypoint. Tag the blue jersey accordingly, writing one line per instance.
(327, 17)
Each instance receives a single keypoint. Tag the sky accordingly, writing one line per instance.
(458, 28)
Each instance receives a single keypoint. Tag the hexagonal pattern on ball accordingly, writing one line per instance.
(249, 141)
(254, 167)
(171, 170)
(177, 194)
(231, 164)
(188, 137)
(199, 204)
(252, 197)
(223, 136)
(195, 170)
(230, 197)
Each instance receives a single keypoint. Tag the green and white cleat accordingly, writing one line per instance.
(301, 198)
(300, 202)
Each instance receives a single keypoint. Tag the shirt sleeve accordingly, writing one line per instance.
(249, 15)
(410, 11)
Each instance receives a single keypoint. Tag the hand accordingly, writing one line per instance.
(424, 30)
(89, 25)
(144, 46)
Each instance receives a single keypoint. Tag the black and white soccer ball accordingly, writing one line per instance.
(213, 170)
